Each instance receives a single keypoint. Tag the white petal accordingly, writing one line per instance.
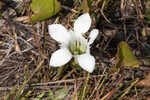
(59, 33)
(88, 49)
(60, 57)
(93, 35)
(82, 24)
(87, 62)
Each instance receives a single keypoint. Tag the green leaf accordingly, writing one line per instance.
(44, 9)
(0, 14)
(12, 93)
(125, 56)
(60, 94)
(40, 96)
(147, 9)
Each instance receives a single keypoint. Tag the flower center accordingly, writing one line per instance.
(78, 46)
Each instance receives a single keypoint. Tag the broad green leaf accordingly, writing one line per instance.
(43, 9)
(125, 56)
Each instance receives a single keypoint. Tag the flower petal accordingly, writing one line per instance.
(60, 57)
(59, 33)
(82, 24)
(87, 62)
(93, 35)
(88, 49)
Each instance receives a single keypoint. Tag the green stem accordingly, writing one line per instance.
(85, 86)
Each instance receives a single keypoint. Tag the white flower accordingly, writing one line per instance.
(73, 44)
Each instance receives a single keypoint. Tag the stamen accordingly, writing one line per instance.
(77, 47)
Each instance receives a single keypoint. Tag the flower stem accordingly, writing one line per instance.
(85, 86)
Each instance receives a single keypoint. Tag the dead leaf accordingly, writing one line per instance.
(24, 19)
(145, 82)
(17, 48)
(85, 6)
(1, 4)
